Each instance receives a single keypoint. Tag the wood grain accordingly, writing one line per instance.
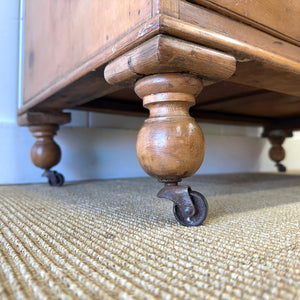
(39, 118)
(131, 108)
(279, 59)
(169, 83)
(258, 54)
(87, 88)
(215, 29)
(277, 17)
(170, 144)
(106, 53)
(264, 62)
(64, 39)
(166, 7)
(269, 76)
(260, 104)
(164, 54)
(45, 153)
(224, 101)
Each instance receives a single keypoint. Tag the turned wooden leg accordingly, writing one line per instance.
(277, 152)
(170, 144)
(45, 153)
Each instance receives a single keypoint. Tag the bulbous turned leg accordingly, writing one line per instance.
(276, 138)
(45, 153)
(277, 152)
(170, 144)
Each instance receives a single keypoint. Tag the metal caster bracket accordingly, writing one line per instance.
(190, 207)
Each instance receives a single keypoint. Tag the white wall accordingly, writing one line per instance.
(103, 146)
(9, 27)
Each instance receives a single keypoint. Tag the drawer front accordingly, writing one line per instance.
(280, 18)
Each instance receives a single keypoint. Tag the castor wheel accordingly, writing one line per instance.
(201, 207)
(190, 207)
(280, 167)
(54, 178)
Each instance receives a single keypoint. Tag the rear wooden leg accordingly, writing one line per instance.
(277, 152)
(170, 144)
(45, 153)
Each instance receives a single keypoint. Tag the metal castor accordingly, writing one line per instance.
(280, 167)
(190, 207)
(201, 207)
(54, 178)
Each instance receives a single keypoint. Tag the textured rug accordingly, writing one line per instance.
(115, 240)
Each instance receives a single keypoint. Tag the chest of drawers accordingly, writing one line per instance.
(234, 62)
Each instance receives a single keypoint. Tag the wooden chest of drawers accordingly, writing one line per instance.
(234, 62)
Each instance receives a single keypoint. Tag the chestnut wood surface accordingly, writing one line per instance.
(69, 32)
(275, 64)
(280, 18)
(164, 54)
(223, 97)
(68, 44)
(39, 118)
(45, 153)
(170, 144)
(167, 7)
(64, 40)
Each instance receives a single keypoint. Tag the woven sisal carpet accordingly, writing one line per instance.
(115, 240)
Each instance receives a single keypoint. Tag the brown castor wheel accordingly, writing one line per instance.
(190, 207)
(201, 208)
(54, 178)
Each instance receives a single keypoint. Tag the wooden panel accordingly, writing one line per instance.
(61, 35)
(87, 88)
(280, 59)
(223, 103)
(262, 104)
(278, 17)
(261, 75)
(38, 118)
(85, 71)
(228, 32)
(223, 91)
(228, 97)
(135, 108)
(167, 7)
(220, 90)
(221, 98)
(165, 54)
(264, 62)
